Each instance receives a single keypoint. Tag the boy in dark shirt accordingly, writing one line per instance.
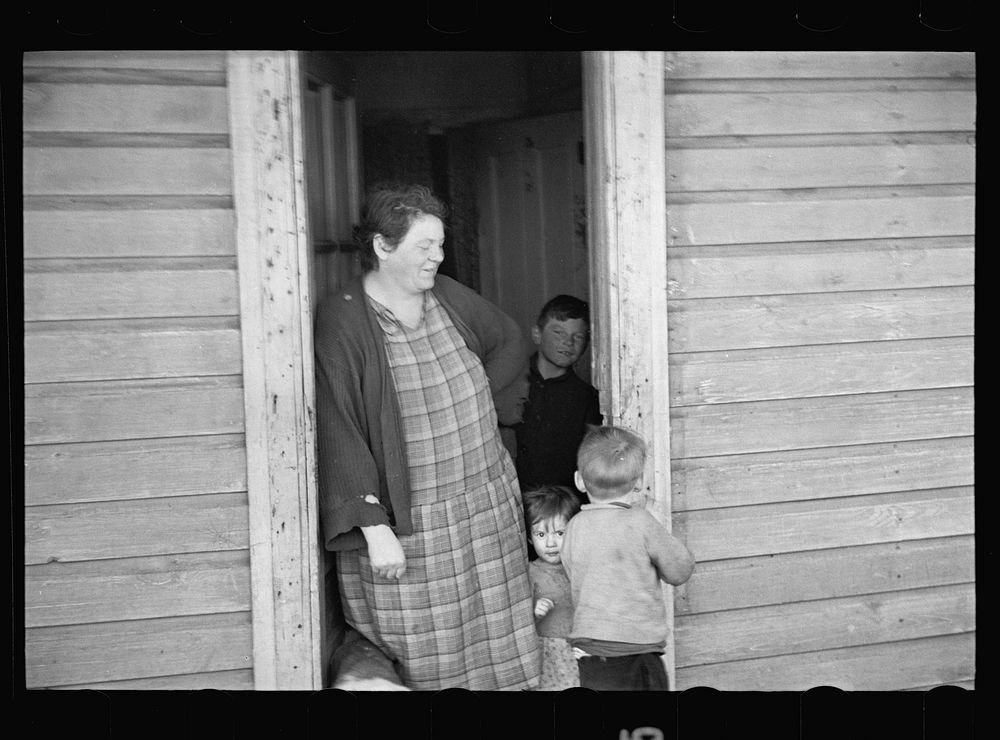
(561, 407)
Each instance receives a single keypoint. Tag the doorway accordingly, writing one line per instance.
(499, 135)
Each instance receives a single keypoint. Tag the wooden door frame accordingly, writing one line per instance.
(624, 137)
(625, 170)
(267, 135)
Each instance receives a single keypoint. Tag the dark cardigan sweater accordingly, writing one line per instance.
(359, 426)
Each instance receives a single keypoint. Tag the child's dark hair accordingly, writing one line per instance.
(546, 502)
(564, 307)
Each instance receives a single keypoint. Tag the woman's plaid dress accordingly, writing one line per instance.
(461, 616)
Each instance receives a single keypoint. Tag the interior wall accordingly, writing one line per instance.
(414, 110)
(440, 89)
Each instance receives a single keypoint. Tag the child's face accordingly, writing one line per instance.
(547, 537)
(561, 342)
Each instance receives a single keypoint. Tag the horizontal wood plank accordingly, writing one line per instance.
(91, 292)
(136, 588)
(131, 233)
(127, 171)
(127, 529)
(153, 348)
(130, 202)
(891, 139)
(788, 424)
(767, 269)
(824, 574)
(740, 114)
(194, 59)
(825, 472)
(887, 666)
(772, 85)
(819, 219)
(969, 685)
(798, 627)
(236, 680)
(747, 322)
(110, 651)
(817, 64)
(770, 529)
(134, 469)
(811, 195)
(758, 167)
(100, 411)
(126, 107)
(820, 370)
(123, 76)
(90, 140)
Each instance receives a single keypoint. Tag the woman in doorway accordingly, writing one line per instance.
(419, 498)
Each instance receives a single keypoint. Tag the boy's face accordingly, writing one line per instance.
(560, 343)
(547, 537)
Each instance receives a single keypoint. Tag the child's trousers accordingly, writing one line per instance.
(643, 672)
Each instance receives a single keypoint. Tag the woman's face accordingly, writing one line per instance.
(413, 264)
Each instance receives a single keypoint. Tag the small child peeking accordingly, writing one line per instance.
(548, 510)
(616, 554)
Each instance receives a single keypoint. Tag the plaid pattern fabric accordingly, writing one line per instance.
(461, 616)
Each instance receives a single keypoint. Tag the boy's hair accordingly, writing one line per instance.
(546, 502)
(390, 210)
(610, 460)
(564, 307)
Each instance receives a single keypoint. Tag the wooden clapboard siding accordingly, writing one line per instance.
(142, 648)
(113, 410)
(820, 264)
(744, 322)
(770, 529)
(750, 66)
(148, 60)
(146, 587)
(884, 666)
(134, 469)
(126, 108)
(87, 289)
(796, 423)
(127, 171)
(135, 348)
(158, 526)
(112, 232)
(818, 267)
(236, 680)
(970, 685)
(821, 472)
(829, 573)
(763, 217)
(765, 168)
(136, 515)
(741, 114)
(819, 370)
(757, 632)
